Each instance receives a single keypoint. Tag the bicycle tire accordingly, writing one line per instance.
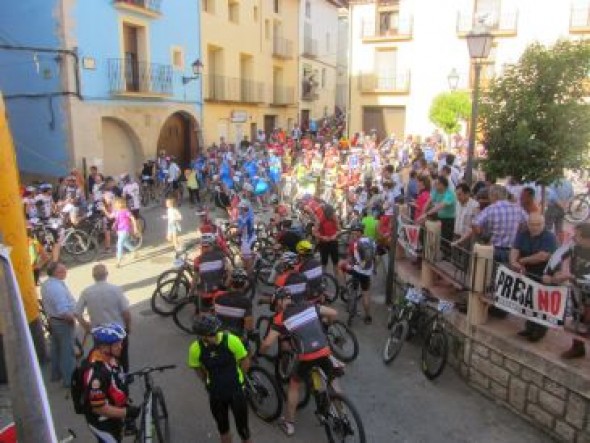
(171, 274)
(164, 300)
(80, 245)
(393, 316)
(351, 308)
(257, 374)
(263, 327)
(91, 252)
(160, 416)
(329, 281)
(436, 344)
(578, 209)
(395, 341)
(136, 242)
(337, 424)
(338, 333)
(184, 314)
(141, 225)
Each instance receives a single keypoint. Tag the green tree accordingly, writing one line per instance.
(534, 118)
(449, 109)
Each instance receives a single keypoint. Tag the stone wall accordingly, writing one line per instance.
(552, 397)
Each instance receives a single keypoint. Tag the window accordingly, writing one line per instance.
(308, 9)
(255, 13)
(267, 29)
(177, 58)
(323, 77)
(209, 6)
(276, 6)
(388, 23)
(386, 68)
(233, 13)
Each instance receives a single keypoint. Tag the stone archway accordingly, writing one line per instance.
(122, 151)
(179, 137)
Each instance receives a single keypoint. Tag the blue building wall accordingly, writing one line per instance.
(38, 124)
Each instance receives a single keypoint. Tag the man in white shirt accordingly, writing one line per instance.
(465, 211)
(131, 192)
(173, 177)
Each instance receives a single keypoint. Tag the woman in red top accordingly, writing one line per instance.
(326, 232)
(423, 198)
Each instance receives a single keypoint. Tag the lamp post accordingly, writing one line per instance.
(479, 43)
(453, 79)
(197, 67)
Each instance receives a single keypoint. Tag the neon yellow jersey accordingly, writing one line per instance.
(234, 344)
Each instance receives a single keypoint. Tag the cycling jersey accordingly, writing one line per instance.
(221, 362)
(104, 382)
(211, 268)
(312, 270)
(303, 321)
(46, 203)
(294, 282)
(231, 308)
(132, 194)
(289, 239)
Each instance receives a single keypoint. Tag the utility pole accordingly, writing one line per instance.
(390, 280)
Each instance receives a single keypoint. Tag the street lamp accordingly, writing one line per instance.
(197, 66)
(453, 79)
(479, 43)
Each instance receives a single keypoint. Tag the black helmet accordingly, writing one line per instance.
(206, 325)
(239, 275)
(357, 226)
(281, 293)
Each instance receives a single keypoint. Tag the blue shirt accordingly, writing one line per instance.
(528, 245)
(561, 190)
(57, 298)
(246, 223)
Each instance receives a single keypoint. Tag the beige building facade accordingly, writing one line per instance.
(402, 51)
(318, 50)
(250, 78)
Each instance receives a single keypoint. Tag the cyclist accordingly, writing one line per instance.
(233, 308)
(247, 233)
(220, 360)
(105, 387)
(287, 237)
(303, 321)
(359, 264)
(212, 265)
(311, 268)
(290, 278)
(44, 202)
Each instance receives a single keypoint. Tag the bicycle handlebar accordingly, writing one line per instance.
(150, 369)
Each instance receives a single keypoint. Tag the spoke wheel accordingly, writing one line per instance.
(331, 288)
(395, 341)
(343, 341)
(342, 421)
(168, 294)
(263, 394)
(434, 353)
(185, 314)
(160, 417)
(579, 209)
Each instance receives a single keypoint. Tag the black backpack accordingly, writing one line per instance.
(77, 388)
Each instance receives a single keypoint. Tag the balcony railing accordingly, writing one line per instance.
(580, 19)
(505, 24)
(282, 48)
(397, 84)
(228, 89)
(151, 7)
(372, 30)
(309, 91)
(310, 47)
(283, 95)
(137, 77)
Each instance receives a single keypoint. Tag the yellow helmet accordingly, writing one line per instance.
(304, 247)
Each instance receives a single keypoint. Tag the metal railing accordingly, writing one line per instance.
(374, 29)
(399, 83)
(579, 18)
(310, 47)
(282, 48)
(221, 88)
(150, 5)
(139, 77)
(501, 23)
(283, 95)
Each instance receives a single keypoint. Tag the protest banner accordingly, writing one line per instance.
(522, 296)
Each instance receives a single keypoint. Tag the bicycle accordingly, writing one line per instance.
(350, 295)
(173, 285)
(154, 413)
(578, 210)
(261, 388)
(331, 412)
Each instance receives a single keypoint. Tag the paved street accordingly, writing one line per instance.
(396, 403)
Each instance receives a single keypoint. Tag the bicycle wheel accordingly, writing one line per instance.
(263, 394)
(579, 209)
(141, 225)
(434, 353)
(171, 274)
(136, 241)
(395, 341)
(331, 288)
(351, 305)
(80, 245)
(393, 315)
(343, 341)
(342, 421)
(185, 313)
(160, 417)
(285, 365)
(168, 294)
(90, 253)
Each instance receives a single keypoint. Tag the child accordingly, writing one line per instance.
(174, 217)
(126, 226)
